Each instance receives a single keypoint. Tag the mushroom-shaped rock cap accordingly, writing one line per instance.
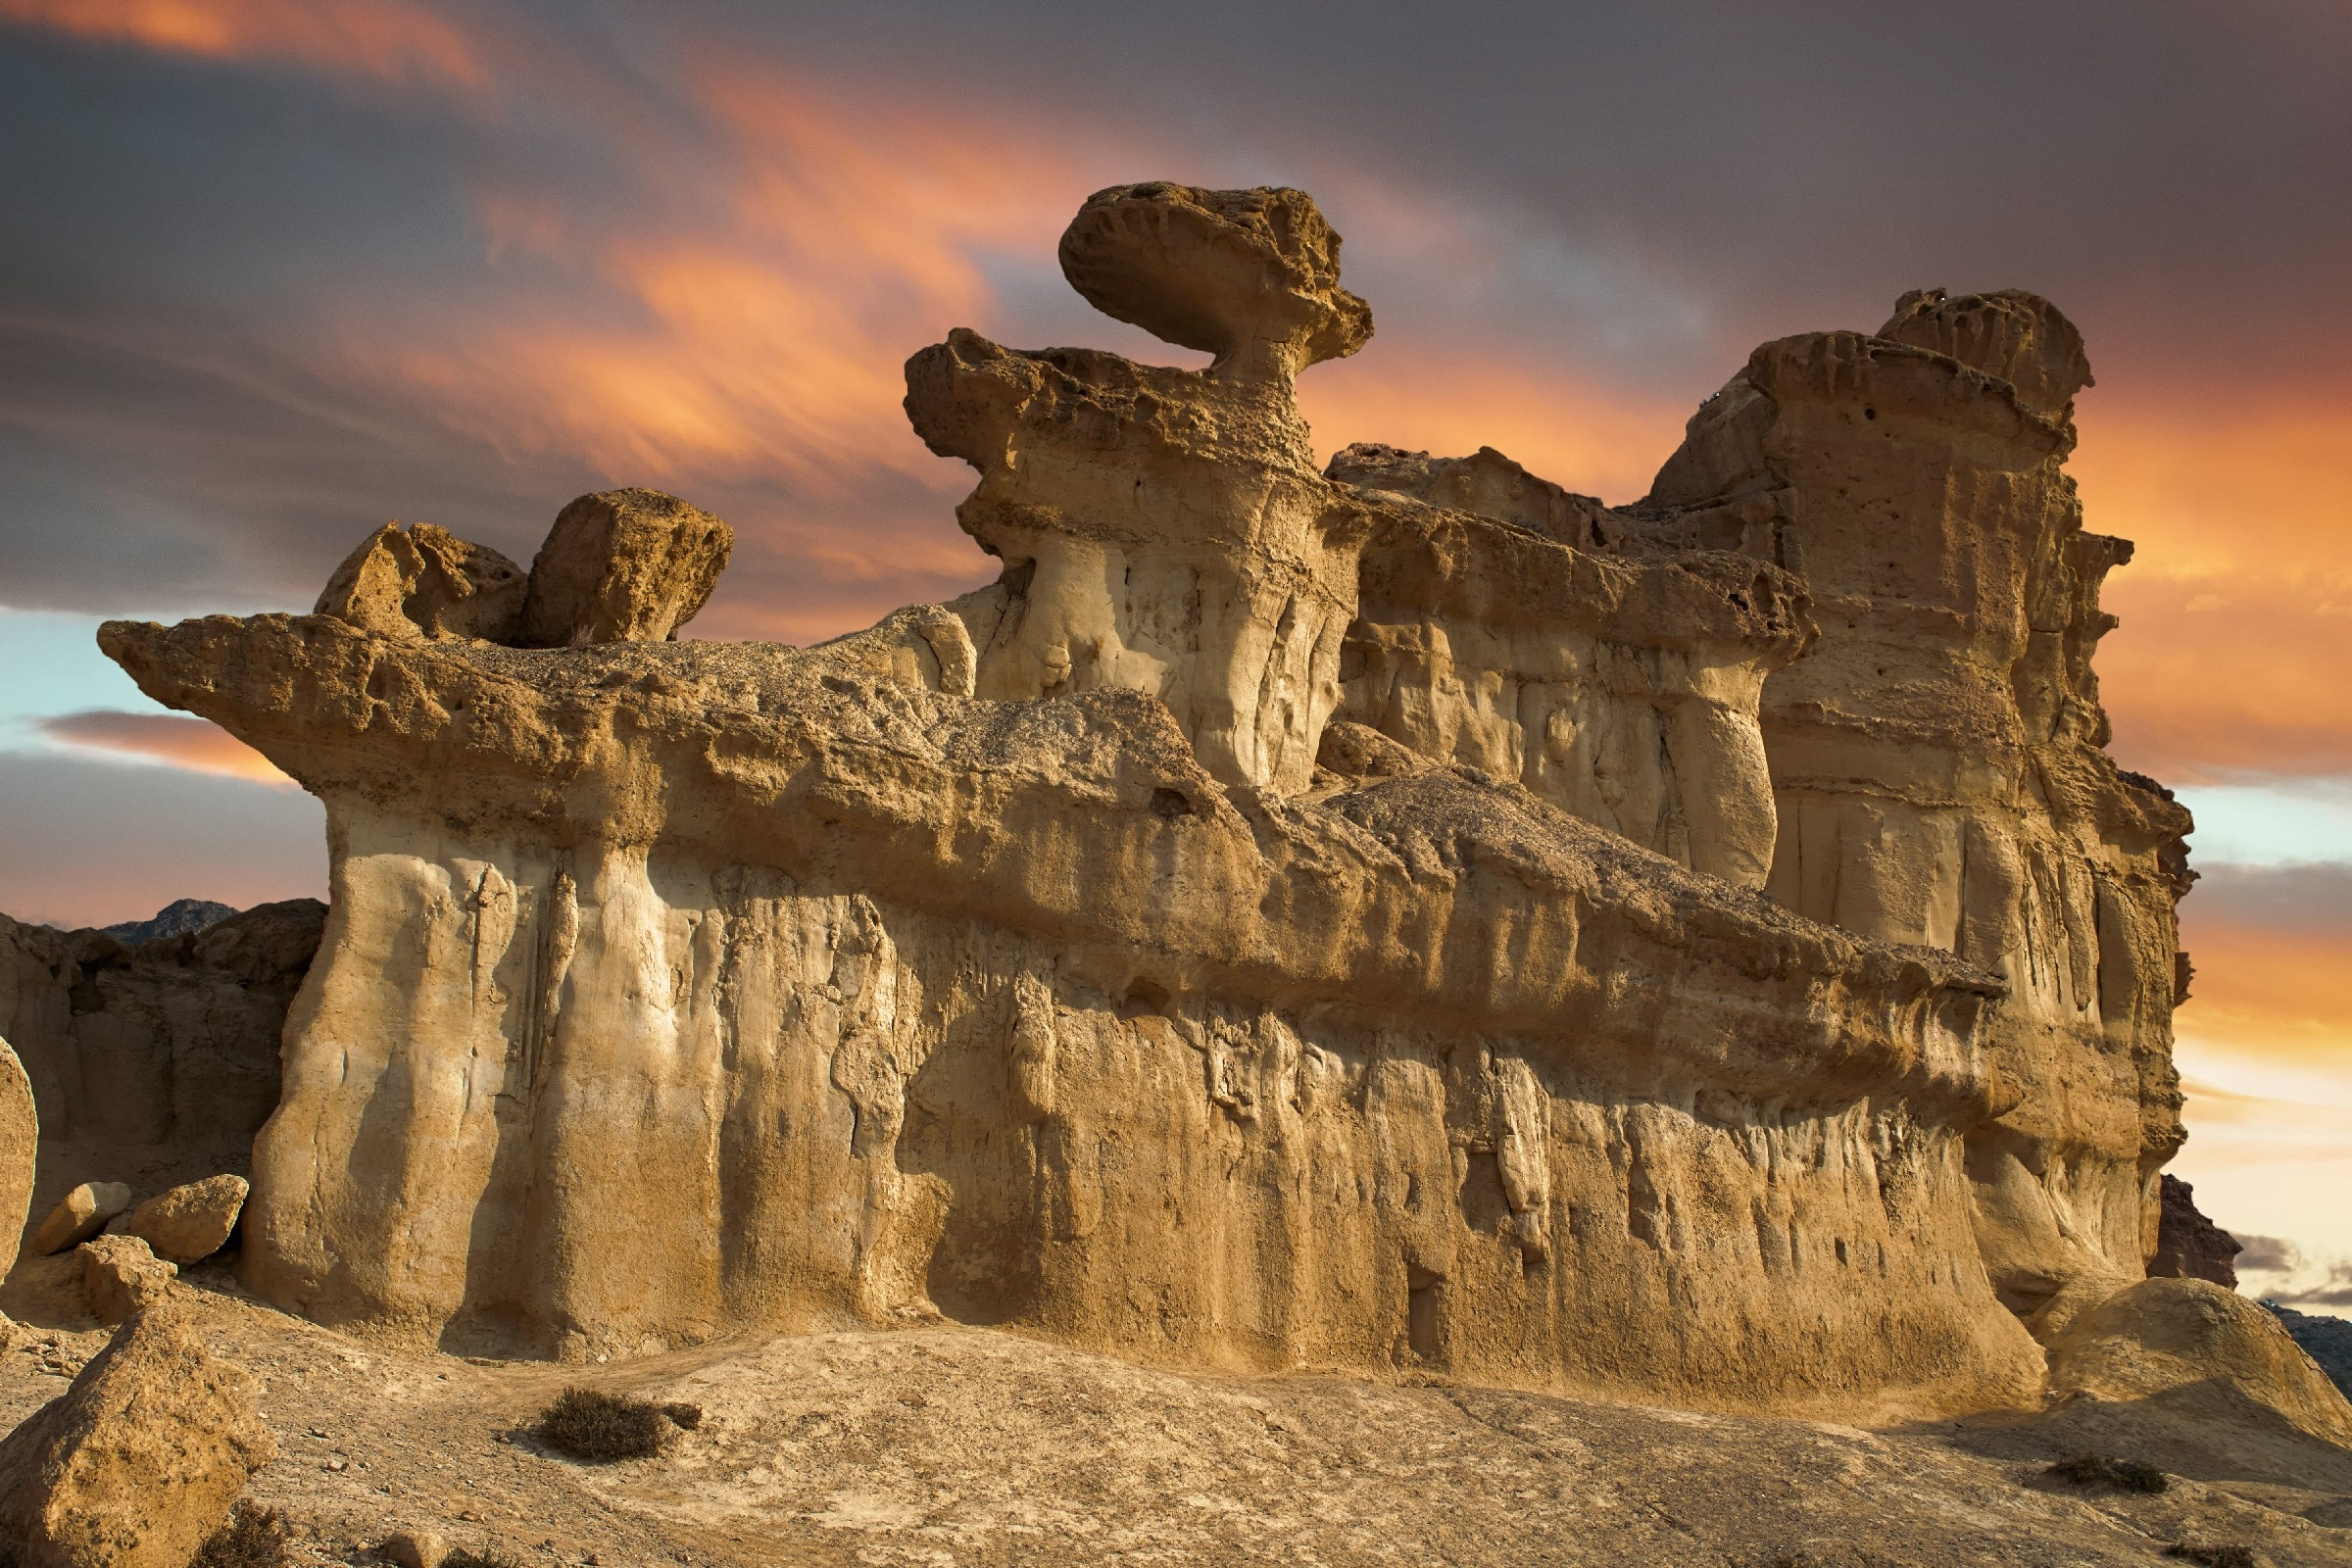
(2020, 337)
(1252, 276)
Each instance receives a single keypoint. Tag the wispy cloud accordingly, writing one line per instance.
(196, 744)
(385, 40)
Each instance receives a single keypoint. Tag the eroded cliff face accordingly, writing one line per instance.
(1290, 920)
(1937, 757)
(153, 1064)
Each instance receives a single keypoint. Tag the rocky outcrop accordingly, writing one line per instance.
(153, 1065)
(19, 1143)
(1290, 919)
(1935, 752)
(1937, 757)
(192, 1221)
(2188, 1246)
(137, 1463)
(2189, 1353)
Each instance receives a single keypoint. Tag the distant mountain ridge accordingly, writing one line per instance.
(178, 918)
(2325, 1339)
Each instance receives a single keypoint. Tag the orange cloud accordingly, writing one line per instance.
(196, 744)
(385, 40)
(765, 337)
(2281, 995)
(2238, 608)
(1565, 427)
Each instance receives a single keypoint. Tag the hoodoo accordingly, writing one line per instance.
(1398, 915)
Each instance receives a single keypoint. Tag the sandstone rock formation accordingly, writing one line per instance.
(192, 1221)
(121, 1276)
(2204, 1355)
(20, 1143)
(627, 565)
(157, 1064)
(2188, 1246)
(79, 1215)
(423, 581)
(1405, 917)
(137, 1463)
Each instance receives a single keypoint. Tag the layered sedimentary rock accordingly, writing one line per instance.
(1938, 759)
(1936, 754)
(154, 1064)
(1290, 919)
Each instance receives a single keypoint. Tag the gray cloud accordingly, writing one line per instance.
(2305, 900)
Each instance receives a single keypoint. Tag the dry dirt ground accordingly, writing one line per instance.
(947, 1445)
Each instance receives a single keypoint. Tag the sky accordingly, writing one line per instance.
(276, 271)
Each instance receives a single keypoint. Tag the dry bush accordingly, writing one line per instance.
(254, 1538)
(2214, 1556)
(590, 1424)
(2097, 1470)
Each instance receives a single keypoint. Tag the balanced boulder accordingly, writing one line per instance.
(80, 1215)
(423, 581)
(137, 1462)
(190, 1222)
(623, 566)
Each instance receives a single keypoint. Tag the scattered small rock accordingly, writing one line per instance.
(190, 1223)
(119, 1276)
(80, 1215)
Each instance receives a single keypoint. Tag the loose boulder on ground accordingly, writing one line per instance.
(192, 1222)
(119, 1276)
(623, 566)
(139, 1461)
(80, 1215)
(19, 1146)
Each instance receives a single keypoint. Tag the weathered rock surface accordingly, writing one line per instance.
(137, 1463)
(1936, 755)
(2191, 1353)
(153, 1065)
(120, 1275)
(423, 581)
(192, 1221)
(1250, 933)
(20, 1154)
(625, 565)
(80, 1215)
(2188, 1246)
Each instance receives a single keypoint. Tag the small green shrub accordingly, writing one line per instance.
(2214, 1556)
(589, 1424)
(2124, 1475)
(254, 1538)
